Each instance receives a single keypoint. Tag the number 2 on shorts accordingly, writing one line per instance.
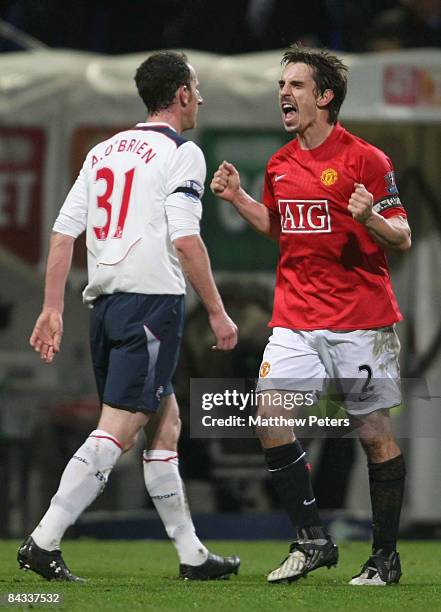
(368, 369)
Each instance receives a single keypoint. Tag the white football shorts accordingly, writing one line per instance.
(362, 365)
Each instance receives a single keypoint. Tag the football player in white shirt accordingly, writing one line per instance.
(138, 199)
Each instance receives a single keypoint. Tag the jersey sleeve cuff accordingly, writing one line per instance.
(59, 228)
(182, 233)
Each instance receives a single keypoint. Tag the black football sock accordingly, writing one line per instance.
(291, 477)
(386, 482)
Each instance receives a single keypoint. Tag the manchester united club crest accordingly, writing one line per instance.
(329, 177)
(265, 369)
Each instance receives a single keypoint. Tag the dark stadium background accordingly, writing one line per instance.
(228, 490)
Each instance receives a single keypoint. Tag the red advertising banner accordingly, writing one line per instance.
(405, 85)
(21, 178)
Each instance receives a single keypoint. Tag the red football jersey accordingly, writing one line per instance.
(331, 273)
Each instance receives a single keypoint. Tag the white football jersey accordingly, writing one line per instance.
(136, 193)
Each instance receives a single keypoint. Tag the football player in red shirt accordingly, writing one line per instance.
(331, 202)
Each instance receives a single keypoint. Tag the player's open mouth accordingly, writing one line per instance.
(288, 110)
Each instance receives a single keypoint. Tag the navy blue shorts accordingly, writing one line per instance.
(135, 341)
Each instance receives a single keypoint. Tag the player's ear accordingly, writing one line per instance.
(325, 98)
(184, 94)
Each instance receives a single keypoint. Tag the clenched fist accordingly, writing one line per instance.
(225, 331)
(226, 182)
(360, 204)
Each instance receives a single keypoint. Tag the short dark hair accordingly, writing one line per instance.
(159, 77)
(328, 72)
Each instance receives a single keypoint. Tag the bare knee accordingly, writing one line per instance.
(376, 436)
(380, 449)
(124, 426)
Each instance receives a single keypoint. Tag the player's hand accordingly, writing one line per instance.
(226, 182)
(46, 337)
(225, 331)
(361, 203)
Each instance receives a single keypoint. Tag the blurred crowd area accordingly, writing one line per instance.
(227, 27)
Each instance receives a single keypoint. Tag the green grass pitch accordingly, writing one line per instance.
(141, 575)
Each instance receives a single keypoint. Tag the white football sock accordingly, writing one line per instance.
(83, 479)
(165, 487)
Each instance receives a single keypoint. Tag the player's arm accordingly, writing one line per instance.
(70, 223)
(46, 336)
(196, 265)
(393, 232)
(226, 185)
(183, 208)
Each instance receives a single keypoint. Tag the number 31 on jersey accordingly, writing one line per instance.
(103, 201)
